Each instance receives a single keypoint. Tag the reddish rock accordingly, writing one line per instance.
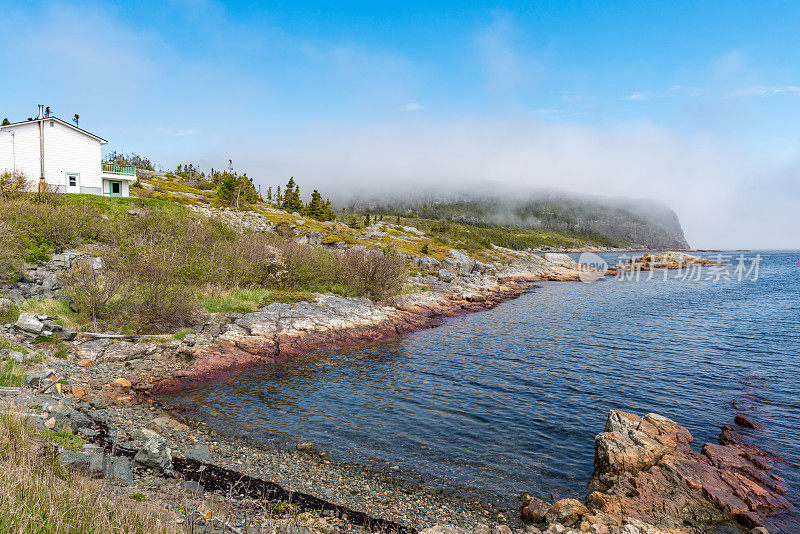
(86, 362)
(743, 420)
(649, 472)
(533, 510)
(566, 511)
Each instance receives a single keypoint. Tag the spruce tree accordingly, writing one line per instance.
(366, 220)
(314, 209)
(6, 122)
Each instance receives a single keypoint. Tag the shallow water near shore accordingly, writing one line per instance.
(508, 401)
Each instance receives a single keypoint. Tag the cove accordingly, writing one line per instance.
(508, 401)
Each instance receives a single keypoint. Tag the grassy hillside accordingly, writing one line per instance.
(465, 225)
(164, 263)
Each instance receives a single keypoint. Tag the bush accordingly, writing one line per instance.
(160, 263)
(13, 185)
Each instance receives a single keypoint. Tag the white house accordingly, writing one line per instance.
(64, 156)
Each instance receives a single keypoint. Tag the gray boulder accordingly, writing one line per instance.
(17, 356)
(154, 453)
(28, 322)
(115, 469)
(426, 263)
(446, 276)
(315, 238)
(201, 453)
(458, 262)
(76, 461)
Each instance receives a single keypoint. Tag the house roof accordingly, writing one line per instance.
(65, 123)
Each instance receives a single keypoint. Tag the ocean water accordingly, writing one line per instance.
(509, 400)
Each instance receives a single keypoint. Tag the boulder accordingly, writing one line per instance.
(113, 468)
(201, 453)
(446, 276)
(648, 473)
(458, 263)
(566, 511)
(155, 453)
(426, 263)
(533, 510)
(17, 356)
(28, 322)
(744, 421)
(76, 461)
(629, 446)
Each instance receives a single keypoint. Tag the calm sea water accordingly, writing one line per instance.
(509, 400)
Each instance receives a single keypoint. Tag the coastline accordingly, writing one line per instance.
(112, 383)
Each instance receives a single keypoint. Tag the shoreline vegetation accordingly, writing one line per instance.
(203, 290)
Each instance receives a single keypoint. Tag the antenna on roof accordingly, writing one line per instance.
(75, 119)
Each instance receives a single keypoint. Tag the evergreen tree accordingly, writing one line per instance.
(269, 194)
(398, 219)
(366, 220)
(291, 197)
(314, 208)
(278, 196)
(6, 122)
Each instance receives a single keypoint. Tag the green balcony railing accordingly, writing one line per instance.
(113, 168)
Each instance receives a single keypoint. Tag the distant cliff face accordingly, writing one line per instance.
(645, 223)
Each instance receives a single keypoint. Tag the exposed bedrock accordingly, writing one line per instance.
(280, 331)
(647, 478)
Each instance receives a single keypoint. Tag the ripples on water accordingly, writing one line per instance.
(509, 401)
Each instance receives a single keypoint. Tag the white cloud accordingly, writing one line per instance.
(637, 96)
(704, 180)
(766, 90)
(413, 106)
(177, 133)
(504, 68)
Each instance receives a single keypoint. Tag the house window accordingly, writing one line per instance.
(115, 188)
(52, 123)
(73, 180)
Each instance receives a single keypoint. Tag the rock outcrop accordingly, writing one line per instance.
(279, 331)
(648, 479)
(666, 260)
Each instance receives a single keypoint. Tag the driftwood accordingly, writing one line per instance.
(107, 336)
(7, 391)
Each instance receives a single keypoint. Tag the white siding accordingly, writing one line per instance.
(66, 150)
(69, 151)
(26, 147)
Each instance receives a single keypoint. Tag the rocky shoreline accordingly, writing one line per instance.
(647, 478)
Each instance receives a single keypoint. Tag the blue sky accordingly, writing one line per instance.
(692, 103)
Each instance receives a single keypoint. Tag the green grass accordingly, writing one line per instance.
(6, 344)
(11, 373)
(240, 300)
(138, 497)
(181, 334)
(65, 439)
(9, 313)
(55, 308)
(38, 494)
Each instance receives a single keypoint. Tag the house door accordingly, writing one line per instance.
(116, 188)
(73, 183)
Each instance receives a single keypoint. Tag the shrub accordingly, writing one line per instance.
(372, 272)
(160, 263)
(13, 185)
